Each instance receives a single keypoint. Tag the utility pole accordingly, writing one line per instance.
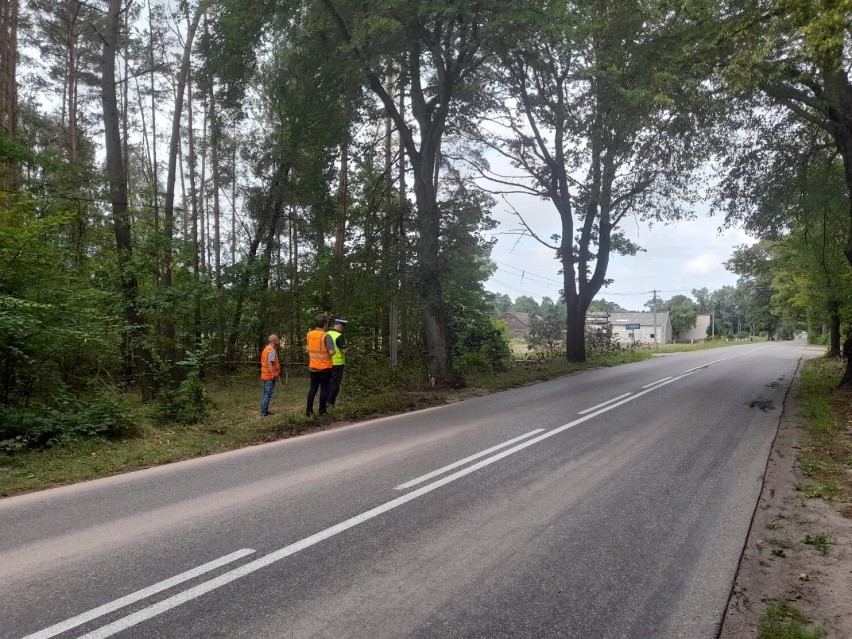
(655, 317)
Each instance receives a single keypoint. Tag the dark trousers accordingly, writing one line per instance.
(319, 380)
(336, 379)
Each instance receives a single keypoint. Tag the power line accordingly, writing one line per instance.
(525, 273)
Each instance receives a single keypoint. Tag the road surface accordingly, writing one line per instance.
(609, 504)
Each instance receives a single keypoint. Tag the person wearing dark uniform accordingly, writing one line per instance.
(320, 349)
(338, 360)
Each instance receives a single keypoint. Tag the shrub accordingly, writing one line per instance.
(101, 417)
(472, 363)
(484, 338)
(188, 404)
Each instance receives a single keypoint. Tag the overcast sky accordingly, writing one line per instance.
(679, 258)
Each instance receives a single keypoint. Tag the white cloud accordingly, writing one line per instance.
(702, 265)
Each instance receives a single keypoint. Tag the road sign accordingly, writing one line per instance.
(633, 327)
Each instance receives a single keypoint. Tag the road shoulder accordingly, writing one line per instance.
(782, 559)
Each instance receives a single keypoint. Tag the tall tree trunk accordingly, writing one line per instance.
(234, 200)
(169, 333)
(846, 380)
(834, 329)
(215, 129)
(241, 287)
(205, 264)
(9, 173)
(342, 197)
(401, 261)
(125, 102)
(5, 53)
(431, 290)
(155, 182)
(118, 197)
(193, 199)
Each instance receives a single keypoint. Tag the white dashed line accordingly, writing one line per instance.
(133, 597)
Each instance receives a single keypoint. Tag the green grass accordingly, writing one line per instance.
(825, 457)
(782, 620)
(546, 369)
(820, 541)
(233, 422)
(700, 346)
(780, 543)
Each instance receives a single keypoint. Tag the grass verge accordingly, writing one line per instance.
(702, 346)
(826, 454)
(234, 423)
(782, 620)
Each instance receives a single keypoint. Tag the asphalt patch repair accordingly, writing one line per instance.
(763, 404)
(783, 559)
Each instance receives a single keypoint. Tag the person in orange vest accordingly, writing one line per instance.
(320, 349)
(270, 370)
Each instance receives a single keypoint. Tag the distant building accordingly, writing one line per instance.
(699, 331)
(517, 324)
(646, 331)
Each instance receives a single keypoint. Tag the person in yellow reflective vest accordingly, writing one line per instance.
(270, 371)
(320, 349)
(338, 360)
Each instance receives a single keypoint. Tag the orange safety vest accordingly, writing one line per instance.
(269, 370)
(318, 356)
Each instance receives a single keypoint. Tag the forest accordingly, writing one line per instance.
(181, 178)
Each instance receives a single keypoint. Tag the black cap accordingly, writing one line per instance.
(341, 322)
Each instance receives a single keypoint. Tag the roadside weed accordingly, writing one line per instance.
(820, 542)
(780, 543)
(818, 490)
(782, 620)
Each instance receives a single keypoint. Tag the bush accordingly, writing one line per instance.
(482, 338)
(368, 372)
(186, 405)
(602, 342)
(472, 363)
(102, 417)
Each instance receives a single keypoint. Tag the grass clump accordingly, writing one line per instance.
(820, 542)
(827, 490)
(782, 620)
(780, 543)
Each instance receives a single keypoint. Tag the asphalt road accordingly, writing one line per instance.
(618, 508)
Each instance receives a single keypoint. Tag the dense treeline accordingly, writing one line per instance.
(178, 181)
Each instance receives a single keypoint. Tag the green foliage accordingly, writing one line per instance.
(101, 416)
(56, 329)
(188, 404)
(481, 344)
(603, 306)
(820, 541)
(547, 328)
(782, 620)
(682, 313)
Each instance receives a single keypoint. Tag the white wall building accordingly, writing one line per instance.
(645, 330)
(699, 331)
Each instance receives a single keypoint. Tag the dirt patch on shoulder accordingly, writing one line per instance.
(799, 549)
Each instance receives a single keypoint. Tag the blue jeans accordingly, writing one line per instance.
(268, 387)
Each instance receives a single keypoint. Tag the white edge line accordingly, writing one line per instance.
(657, 382)
(462, 462)
(602, 404)
(133, 597)
(261, 562)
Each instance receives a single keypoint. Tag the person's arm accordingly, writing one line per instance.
(341, 343)
(329, 344)
(273, 356)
